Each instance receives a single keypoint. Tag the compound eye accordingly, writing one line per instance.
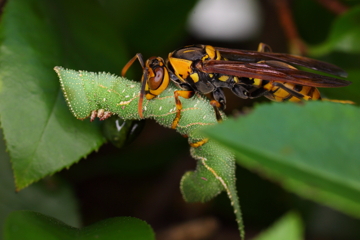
(156, 81)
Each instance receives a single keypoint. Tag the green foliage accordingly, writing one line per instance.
(31, 46)
(289, 227)
(344, 35)
(28, 225)
(47, 196)
(312, 149)
(46, 35)
(161, 23)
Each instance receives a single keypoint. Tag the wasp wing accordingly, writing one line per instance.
(255, 56)
(267, 70)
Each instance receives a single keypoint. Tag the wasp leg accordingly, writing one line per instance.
(258, 93)
(143, 79)
(216, 105)
(187, 93)
(240, 91)
(290, 91)
(219, 102)
(142, 93)
(180, 93)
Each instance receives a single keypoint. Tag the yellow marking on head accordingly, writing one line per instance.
(149, 96)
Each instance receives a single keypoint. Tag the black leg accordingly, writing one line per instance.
(258, 93)
(240, 91)
(219, 96)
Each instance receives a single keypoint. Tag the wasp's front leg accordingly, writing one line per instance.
(180, 93)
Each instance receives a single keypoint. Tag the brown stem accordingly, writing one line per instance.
(297, 46)
(334, 6)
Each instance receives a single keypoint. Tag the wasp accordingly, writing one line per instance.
(248, 74)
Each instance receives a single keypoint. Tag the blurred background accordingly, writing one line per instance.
(141, 179)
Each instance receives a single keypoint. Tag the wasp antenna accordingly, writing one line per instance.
(141, 60)
(142, 92)
(131, 61)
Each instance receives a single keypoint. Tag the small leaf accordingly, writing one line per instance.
(195, 190)
(344, 35)
(312, 149)
(46, 196)
(289, 227)
(27, 225)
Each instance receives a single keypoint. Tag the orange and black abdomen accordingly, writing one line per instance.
(278, 94)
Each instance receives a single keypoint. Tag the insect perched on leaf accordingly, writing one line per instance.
(100, 95)
(249, 74)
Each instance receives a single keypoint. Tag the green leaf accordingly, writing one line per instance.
(200, 185)
(31, 225)
(313, 26)
(344, 35)
(347, 93)
(41, 134)
(47, 196)
(151, 28)
(289, 227)
(194, 190)
(312, 149)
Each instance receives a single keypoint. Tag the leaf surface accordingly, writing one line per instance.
(344, 35)
(28, 225)
(288, 227)
(311, 149)
(41, 134)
